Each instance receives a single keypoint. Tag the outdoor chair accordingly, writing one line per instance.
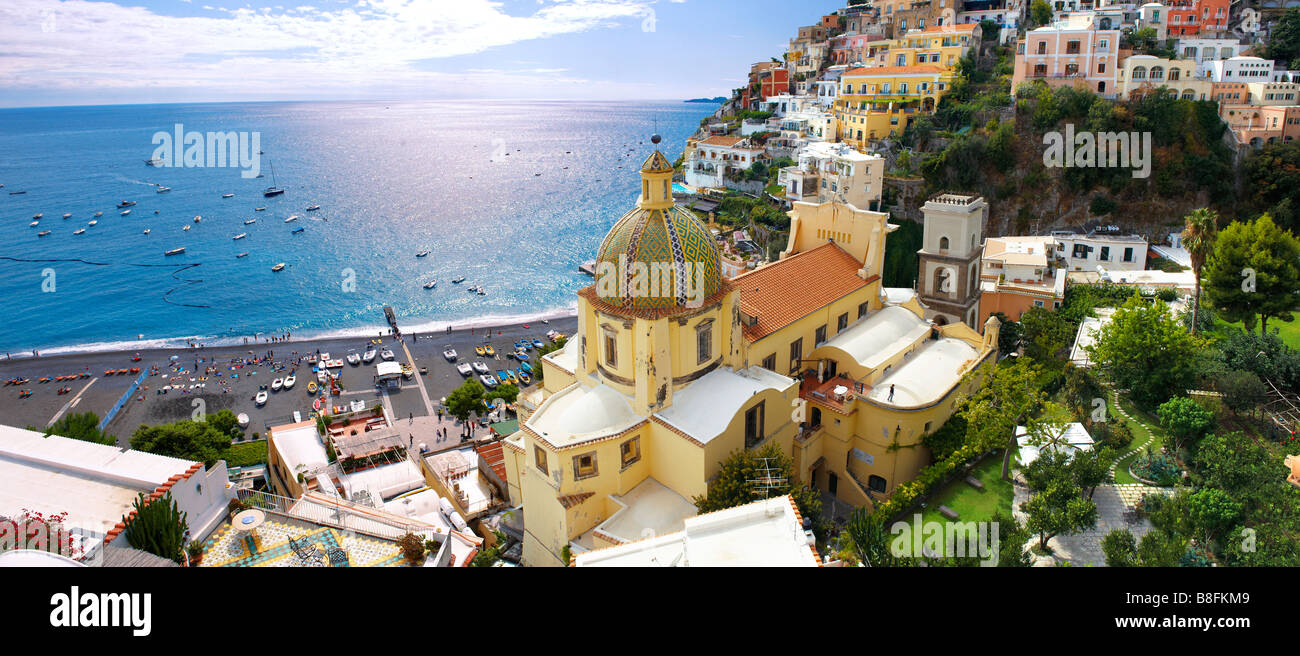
(338, 557)
(306, 553)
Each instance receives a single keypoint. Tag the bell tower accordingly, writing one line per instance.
(948, 277)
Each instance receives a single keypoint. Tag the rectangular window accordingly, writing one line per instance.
(769, 363)
(1072, 47)
(630, 451)
(1105, 254)
(704, 343)
(754, 425)
(796, 354)
(1128, 254)
(842, 322)
(584, 466)
(1042, 47)
(821, 335)
(539, 457)
(611, 350)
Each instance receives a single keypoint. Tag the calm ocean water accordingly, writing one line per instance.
(391, 180)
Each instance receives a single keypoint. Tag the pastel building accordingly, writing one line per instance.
(1019, 273)
(940, 45)
(1179, 76)
(834, 171)
(1069, 53)
(713, 158)
(880, 102)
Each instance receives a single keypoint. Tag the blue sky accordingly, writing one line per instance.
(78, 52)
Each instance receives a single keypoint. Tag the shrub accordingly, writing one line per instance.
(158, 527)
(412, 547)
(1159, 468)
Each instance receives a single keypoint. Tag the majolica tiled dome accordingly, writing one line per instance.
(658, 232)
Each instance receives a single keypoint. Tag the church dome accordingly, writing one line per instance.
(657, 256)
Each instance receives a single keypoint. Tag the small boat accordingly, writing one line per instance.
(240, 235)
(125, 212)
(464, 369)
(146, 231)
(479, 350)
(458, 280)
(79, 231)
(277, 384)
(261, 397)
(422, 253)
(244, 254)
(482, 292)
(42, 233)
(272, 191)
(67, 215)
(538, 343)
(491, 352)
(175, 251)
(227, 195)
(125, 203)
(38, 216)
(98, 214)
(523, 377)
(386, 354)
(296, 231)
(311, 387)
(17, 193)
(278, 267)
(185, 229)
(163, 190)
(521, 356)
(431, 284)
(154, 162)
(250, 222)
(480, 367)
(289, 381)
(488, 380)
(450, 354)
(259, 209)
(369, 356)
(524, 366)
(354, 359)
(313, 208)
(35, 223)
(291, 219)
(198, 219)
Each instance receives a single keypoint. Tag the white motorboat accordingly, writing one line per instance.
(291, 219)
(185, 229)
(289, 381)
(431, 284)
(354, 359)
(450, 354)
(125, 212)
(387, 354)
(79, 231)
(261, 398)
(464, 369)
(92, 222)
(422, 253)
(244, 254)
(35, 223)
(240, 235)
(277, 384)
(480, 367)
(163, 190)
(250, 222)
(313, 208)
(279, 267)
(227, 195)
(67, 215)
(146, 231)
(98, 214)
(198, 219)
(259, 209)
(489, 381)
(369, 356)
(458, 280)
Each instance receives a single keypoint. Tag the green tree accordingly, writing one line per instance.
(1120, 548)
(1213, 512)
(733, 486)
(509, 392)
(547, 349)
(1145, 350)
(1242, 391)
(224, 422)
(82, 426)
(465, 401)
(158, 527)
(190, 440)
(869, 540)
(1046, 334)
(1010, 397)
(1284, 37)
(1040, 12)
(1058, 510)
(1185, 420)
(1198, 239)
(1254, 272)
(1091, 468)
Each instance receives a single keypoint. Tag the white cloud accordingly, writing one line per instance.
(367, 44)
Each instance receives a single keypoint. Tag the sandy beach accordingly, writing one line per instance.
(228, 377)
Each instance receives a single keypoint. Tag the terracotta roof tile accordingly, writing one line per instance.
(571, 500)
(894, 70)
(783, 292)
(722, 141)
(495, 458)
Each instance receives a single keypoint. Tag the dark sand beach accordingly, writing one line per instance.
(191, 375)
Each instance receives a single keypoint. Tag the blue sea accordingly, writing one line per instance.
(487, 186)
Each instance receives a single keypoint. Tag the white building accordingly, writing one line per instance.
(714, 157)
(1205, 51)
(766, 533)
(1116, 252)
(1241, 68)
(96, 485)
(828, 171)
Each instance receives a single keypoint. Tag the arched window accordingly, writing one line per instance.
(1139, 72)
(1174, 74)
(943, 243)
(1157, 73)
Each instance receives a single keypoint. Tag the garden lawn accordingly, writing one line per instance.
(245, 454)
(1142, 426)
(1289, 333)
(972, 505)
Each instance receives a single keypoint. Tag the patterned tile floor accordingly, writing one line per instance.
(228, 548)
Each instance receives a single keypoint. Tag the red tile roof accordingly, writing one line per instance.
(922, 69)
(722, 141)
(495, 458)
(785, 291)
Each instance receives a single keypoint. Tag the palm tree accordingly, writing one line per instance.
(1198, 239)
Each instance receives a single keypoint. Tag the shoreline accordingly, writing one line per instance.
(184, 344)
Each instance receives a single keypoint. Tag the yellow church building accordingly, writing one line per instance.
(673, 367)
